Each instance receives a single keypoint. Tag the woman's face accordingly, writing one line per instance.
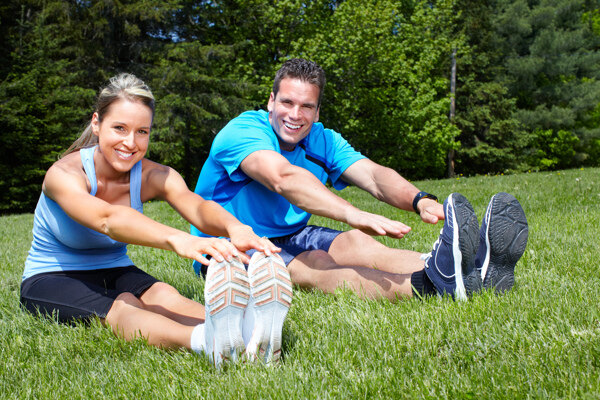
(124, 133)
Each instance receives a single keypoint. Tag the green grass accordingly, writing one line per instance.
(540, 340)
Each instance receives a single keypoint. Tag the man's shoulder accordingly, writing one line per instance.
(320, 135)
(252, 117)
(249, 130)
(248, 123)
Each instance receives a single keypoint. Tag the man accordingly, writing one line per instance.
(270, 169)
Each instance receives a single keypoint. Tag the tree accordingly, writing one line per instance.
(40, 104)
(196, 99)
(57, 55)
(387, 66)
(551, 58)
(491, 138)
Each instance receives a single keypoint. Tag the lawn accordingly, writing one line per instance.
(540, 340)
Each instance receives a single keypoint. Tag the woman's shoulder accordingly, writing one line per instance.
(71, 163)
(66, 170)
(153, 172)
(150, 167)
(158, 180)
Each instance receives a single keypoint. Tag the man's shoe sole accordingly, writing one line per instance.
(507, 238)
(468, 239)
(271, 290)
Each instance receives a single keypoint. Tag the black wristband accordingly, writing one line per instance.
(419, 196)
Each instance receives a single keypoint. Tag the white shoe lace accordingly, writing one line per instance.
(426, 256)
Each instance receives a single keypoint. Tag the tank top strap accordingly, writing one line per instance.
(135, 177)
(135, 187)
(87, 159)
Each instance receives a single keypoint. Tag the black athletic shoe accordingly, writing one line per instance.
(450, 265)
(503, 238)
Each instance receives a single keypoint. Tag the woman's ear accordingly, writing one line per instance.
(95, 124)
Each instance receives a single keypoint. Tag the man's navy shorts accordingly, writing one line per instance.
(80, 295)
(311, 237)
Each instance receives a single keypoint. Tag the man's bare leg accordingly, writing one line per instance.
(317, 269)
(357, 248)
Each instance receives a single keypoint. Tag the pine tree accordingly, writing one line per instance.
(491, 138)
(41, 103)
(551, 58)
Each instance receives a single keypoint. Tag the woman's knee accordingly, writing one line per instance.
(158, 293)
(123, 303)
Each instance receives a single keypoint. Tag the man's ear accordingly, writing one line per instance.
(271, 102)
(317, 114)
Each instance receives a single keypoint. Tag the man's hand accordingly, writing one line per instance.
(376, 225)
(430, 210)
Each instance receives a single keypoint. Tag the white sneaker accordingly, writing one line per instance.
(226, 294)
(271, 297)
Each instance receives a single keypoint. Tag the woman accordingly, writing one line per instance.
(91, 206)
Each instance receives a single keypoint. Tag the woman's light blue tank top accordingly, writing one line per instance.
(61, 244)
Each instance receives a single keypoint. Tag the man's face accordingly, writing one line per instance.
(293, 111)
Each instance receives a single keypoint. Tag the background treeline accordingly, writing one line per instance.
(527, 78)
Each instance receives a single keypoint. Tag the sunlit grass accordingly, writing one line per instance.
(540, 340)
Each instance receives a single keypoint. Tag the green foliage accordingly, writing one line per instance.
(553, 150)
(524, 68)
(262, 32)
(196, 101)
(551, 58)
(593, 19)
(491, 138)
(387, 92)
(41, 106)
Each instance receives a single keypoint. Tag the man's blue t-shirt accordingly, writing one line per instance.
(324, 152)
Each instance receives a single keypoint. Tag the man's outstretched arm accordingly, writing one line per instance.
(387, 185)
(303, 189)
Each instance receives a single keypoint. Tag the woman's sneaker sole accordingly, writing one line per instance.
(226, 294)
(271, 298)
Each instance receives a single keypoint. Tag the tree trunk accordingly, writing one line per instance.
(450, 160)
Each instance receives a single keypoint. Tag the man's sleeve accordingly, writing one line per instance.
(236, 142)
(342, 156)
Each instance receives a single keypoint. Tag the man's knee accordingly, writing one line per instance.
(356, 238)
(312, 260)
(311, 267)
(354, 242)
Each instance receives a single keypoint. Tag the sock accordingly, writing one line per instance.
(422, 285)
(198, 339)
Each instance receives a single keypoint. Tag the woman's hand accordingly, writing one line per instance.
(193, 247)
(244, 239)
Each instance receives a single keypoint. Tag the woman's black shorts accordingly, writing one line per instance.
(80, 295)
